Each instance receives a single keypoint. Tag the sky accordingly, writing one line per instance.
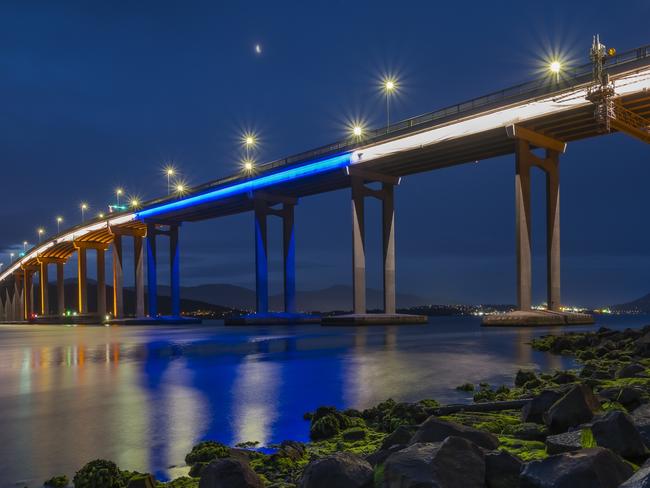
(96, 95)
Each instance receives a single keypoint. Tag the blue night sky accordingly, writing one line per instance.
(100, 94)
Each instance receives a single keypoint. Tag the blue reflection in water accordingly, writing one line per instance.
(143, 396)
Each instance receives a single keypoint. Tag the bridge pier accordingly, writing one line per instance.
(60, 289)
(118, 278)
(265, 205)
(82, 276)
(28, 291)
(18, 307)
(138, 263)
(153, 230)
(82, 284)
(359, 179)
(525, 140)
(43, 281)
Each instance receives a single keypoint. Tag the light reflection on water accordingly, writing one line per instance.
(142, 396)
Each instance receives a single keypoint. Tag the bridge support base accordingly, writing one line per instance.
(536, 318)
(273, 318)
(360, 319)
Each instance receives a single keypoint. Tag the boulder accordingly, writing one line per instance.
(229, 473)
(290, 449)
(437, 430)
(142, 481)
(640, 479)
(535, 409)
(524, 377)
(454, 463)
(566, 442)
(617, 432)
(502, 470)
(576, 407)
(341, 469)
(642, 345)
(379, 456)
(596, 467)
(631, 371)
(530, 431)
(641, 419)
(563, 377)
(401, 435)
(627, 396)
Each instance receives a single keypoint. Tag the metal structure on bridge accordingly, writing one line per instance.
(609, 94)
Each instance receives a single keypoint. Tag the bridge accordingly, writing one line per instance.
(609, 94)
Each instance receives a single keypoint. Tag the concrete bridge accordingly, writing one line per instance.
(611, 93)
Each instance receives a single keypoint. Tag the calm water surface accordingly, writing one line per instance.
(142, 396)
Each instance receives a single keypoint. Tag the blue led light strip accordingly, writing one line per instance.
(310, 169)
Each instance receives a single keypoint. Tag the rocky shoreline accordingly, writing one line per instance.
(584, 428)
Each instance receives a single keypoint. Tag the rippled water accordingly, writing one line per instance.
(142, 396)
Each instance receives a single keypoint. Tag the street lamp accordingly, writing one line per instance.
(84, 207)
(58, 224)
(248, 165)
(40, 232)
(169, 172)
(180, 188)
(100, 215)
(389, 86)
(24, 246)
(118, 193)
(249, 140)
(135, 203)
(555, 67)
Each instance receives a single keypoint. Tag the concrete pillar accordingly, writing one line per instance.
(2, 308)
(101, 283)
(60, 289)
(152, 274)
(44, 282)
(175, 272)
(388, 234)
(261, 258)
(8, 305)
(118, 278)
(28, 294)
(138, 260)
(522, 224)
(553, 230)
(358, 248)
(82, 281)
(18, 297)
(289, 254)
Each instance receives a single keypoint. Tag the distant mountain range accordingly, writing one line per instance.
(639, 305)
(333, 298)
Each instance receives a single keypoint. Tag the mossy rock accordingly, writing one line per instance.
(99, 473)
(354, 434)
(205, 452)
(324, 427)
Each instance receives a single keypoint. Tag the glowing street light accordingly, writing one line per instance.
(169, 172)
(180, 188)
(555, 67)
(389, 86)
(100, 215)
(357, 130)
(40, 232)
(58, 224)
(135, 203)
(118, 193)
(248, 165)
(11, 256)
(249, 140)
(24, 246)
(84, 207)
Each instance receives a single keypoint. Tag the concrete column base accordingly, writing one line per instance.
(536, 318)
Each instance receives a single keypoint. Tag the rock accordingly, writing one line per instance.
(631, 371)
(616, 431)
(642, 345)
(576, 407)
(290, 449)
(379, 456)
(354, 434)
(563, 377)
(502, 470)
(143, 481)
(534, 410)
(229, 473)
(640, 479)
(436, 430)
(596, 467)
(401, 435)
(627, 396)
(341, 469)
(641, 419)
(524, 377)
(567, 442)
(454, 463)
(529, 431)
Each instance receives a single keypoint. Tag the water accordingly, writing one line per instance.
(142, 396)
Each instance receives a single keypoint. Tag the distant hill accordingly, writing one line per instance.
(338, 297)
(639, 305)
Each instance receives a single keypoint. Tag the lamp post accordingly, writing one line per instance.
(58, 224)
(389, 86)
(84, 207)
(169, 172)
(40, 232)
(118, 194)
(24, 246)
